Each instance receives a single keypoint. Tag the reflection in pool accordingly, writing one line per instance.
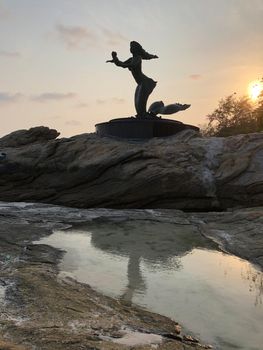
(171, 270)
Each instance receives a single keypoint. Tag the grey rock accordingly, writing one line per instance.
(238, 231)
(184, 171)
(25, 137)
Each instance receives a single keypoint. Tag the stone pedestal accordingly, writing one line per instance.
(141, 128)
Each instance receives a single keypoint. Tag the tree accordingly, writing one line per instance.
(234, 115)
(259, 109)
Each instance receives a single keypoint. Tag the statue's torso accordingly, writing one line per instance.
(136, 71)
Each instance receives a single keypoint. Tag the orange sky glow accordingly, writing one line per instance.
(53, 53)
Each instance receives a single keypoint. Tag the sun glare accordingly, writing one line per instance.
(255, 88)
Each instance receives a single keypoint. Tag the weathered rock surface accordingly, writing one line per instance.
(26, 137)
(185, 171)
(40, 310)
(239, 231)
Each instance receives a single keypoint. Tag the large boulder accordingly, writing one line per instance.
(184, 171)
(25, 137)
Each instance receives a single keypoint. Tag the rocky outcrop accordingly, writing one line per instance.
(25, 137)
(184, 171)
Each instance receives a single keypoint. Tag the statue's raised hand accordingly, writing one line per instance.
(114, 56)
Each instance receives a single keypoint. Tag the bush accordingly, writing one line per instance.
(234, 115)
(259, 110)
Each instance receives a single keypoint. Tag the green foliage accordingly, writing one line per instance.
(235, 115)
(259, 109)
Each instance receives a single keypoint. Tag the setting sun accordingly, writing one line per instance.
(254, 89)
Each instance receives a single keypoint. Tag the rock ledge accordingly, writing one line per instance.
(184, 171)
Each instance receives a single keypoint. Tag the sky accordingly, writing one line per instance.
(53, 53)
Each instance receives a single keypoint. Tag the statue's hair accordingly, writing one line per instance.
(140, 50)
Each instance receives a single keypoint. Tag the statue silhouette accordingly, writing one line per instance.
(152, 242)
(145, 84)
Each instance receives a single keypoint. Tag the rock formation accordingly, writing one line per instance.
(25, 137)
(184, 171)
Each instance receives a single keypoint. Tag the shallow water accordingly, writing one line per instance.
(171, 270)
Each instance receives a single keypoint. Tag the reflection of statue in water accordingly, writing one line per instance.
(145, 85)
(156, 244)
(136, 282)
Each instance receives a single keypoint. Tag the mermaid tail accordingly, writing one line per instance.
(160, 108)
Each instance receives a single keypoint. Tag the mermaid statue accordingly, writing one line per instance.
(145, 85)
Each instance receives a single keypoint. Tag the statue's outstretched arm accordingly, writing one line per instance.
(129, 63)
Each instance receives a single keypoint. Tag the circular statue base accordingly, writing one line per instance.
(141, 128)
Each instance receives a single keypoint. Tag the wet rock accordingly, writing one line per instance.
(173, 336)
(178, 329)
(238, 231)
(45, 311)
(184, 171)
(190, 339)
(48, 312)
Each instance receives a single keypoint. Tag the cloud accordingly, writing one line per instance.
(82, 105)
(53, 96)
(195, 76)
(118, 100)
(112, 100)
(6, 97)
(76, 37)
(100, 102)
(10, 54)
(81, 37)
(113, 38)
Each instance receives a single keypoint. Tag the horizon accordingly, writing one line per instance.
(53, 58)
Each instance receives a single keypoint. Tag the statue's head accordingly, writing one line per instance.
(136, 48)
